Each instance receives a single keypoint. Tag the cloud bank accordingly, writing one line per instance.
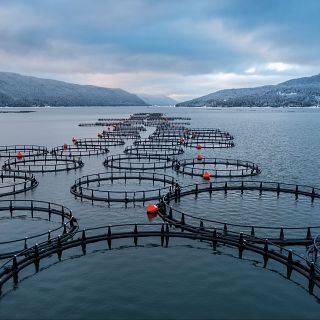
(183, 49)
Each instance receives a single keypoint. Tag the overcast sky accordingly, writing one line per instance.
(183, 49)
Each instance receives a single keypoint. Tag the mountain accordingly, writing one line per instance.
(301, 92)
(23, 91)
(157, 100)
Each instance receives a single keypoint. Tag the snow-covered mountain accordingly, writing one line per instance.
(301, 92)
(17, 91)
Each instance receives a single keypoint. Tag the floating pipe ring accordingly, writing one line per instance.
(24, 150)
(78, 150)
(100, 142)
(223, 168)
(145, 151)
(82, 187)
(137, 162)
(43, 164)
(297, 235)
(12, 183)
(68, 224)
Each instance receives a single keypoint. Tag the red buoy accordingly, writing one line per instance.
(206, 175)
(65, 146)
(152, 209)
(199, 146)
(182, 140)
(108, 128)
(199, 157)
(99, 135)
(19, 155)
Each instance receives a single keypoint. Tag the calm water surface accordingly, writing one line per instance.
(188, 279)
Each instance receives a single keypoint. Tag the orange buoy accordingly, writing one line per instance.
(19, 155)
(199, 157)
(199, 146)
(152, 209)
(65, 146)
(206, 175)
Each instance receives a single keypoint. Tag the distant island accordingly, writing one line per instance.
(301, 92)
(24, 91)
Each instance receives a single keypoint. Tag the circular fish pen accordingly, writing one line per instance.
(43, 164)
(208, 143)
(160, 142)
(78, 151)
(154, 150)
(137, 162)
(217, 167)
(268, 208)
(100, 142)
(109, 187)
(190, 133)
(22, 151)
(136, 234)
(13, 183)
(120, 135)
(163, 124)
(19, 212)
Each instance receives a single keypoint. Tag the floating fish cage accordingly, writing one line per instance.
(97, 124)
(125, 128)
(115, 124)
(215, 136)
(157, 142)
(118, 120)
(43, 164)
(283, 235)
(137, 162)
(84, 187)
(24, 150)
(12, 183)
(110, 235)
(177, 134)
(78, 151)
(163, 124)
(120, 135)
(100, 142)
(217, 167)
(208, 144)
(175, 140)
(37, 210)
(124, 122)
(154, 150)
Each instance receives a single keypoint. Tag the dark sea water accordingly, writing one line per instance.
(187, 280)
